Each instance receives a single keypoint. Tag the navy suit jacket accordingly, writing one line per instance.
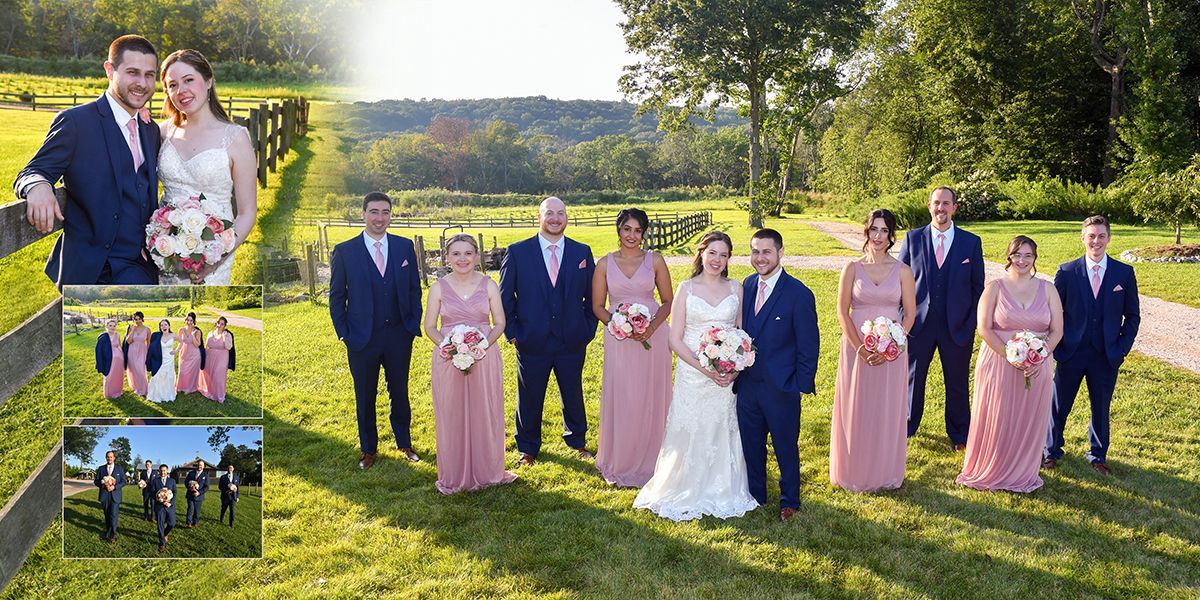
(964, 283)
(786, 338)
(232, 352)
(104, 353)
(351, 303)
(154, 353)
(118, 474)
(525, 292)
(223, 485)
(89, 152)
(156, 484)
(201, 478)
(1120, 311)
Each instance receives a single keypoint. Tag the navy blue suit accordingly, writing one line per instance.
(377, 316)
(947, 298)
(1098, 332)
(154, 353)
(551, 326)
(194, 502)
(164, 516)
(104, 354)
(228, 498)
(110, 502)
(787, 344)
(147, 494)
(108, 203)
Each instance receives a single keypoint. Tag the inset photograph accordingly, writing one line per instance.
(162, 351)
(147, 491)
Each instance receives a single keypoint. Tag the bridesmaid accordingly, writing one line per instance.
(636, 387)
(137, 343)
(110, 360)
(868, 434)
(1009, 422)
(219, 360)
(191, 355)
(468, 409)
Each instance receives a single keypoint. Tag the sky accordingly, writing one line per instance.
(171, 445)
(463, 49)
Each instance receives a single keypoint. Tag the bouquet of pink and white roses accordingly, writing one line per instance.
(109, 482)
(884, 336)
(194, 488)
(463, 347)
(233, 488)
(628, 319)
(185, 235)
(724, 350)
(165, 496)
(141, 484)
(1026, 350)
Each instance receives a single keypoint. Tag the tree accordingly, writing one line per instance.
(705, 53)
(452, 137)
(404, 162)
(124, 451)
(1111, 52)
(1172, 198)
(80, 442)
(218, 437)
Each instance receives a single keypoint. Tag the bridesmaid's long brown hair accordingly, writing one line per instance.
(709, 238)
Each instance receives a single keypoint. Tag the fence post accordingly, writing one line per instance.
(273, 137)
(261, 147)
(310, 254)
(421, 259)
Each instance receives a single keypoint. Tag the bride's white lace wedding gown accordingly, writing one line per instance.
(209, 172)
(162, 383)
(700, 469)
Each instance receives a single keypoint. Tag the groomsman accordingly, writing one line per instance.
(195, 498)
(780, 313)
(147, 497)
(546, 289)
(947, 262)
(110, 497)
(1100, 320)
(164, 514)
(375, 303)
(229, 496)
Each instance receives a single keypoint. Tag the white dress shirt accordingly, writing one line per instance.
(1103, 264)
(770, 281)
(545, 244)
(370, 242)
(934, 232)
(122, 117)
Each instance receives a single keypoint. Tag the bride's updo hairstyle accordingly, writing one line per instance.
(194, 59)
(709, 238)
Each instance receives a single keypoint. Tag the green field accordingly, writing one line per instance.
(83, 524)
(29, 428)
(91, 87)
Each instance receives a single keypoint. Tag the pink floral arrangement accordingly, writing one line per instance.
(141, 484)
(884, 336)
(1026, 350)
(724, 350)
(109, 482)
(194, 487)
(463, 347)
(165, 496)
(628, 319)
(184, 236)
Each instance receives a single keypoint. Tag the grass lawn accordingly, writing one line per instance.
(152, 310)
(83, 524)
(89, 88)
(29, 428)
(561, 531)
(83, 387)
(252, 313)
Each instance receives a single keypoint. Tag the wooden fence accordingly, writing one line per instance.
(236, 107)
(668, 234)
(469, 222)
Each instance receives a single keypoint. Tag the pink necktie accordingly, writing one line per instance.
(1095, 281)
(131, 125)
(379, 264)
(553, 264)
(941, 249)
(762, 296)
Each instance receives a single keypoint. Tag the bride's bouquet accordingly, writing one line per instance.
(884, 336)
(109, 483)
(628, 319)
(463, 347)
(724, 350)
(1026, 350)
(184, 236)
(165, 496)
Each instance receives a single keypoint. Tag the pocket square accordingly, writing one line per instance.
(1118, 288)
(778, 318)
(404, 264)
(583, 264)
(965, 261)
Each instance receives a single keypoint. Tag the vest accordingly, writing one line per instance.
(939, 280)
(132, 218)
(1095, 326)
(386, 307)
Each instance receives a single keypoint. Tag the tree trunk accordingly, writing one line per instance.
(1178, 232)
(1109, 173)
(756, 105)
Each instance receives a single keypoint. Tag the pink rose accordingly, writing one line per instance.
(725, 366)
(462, 349)
(477, 353)
(640, 323)
(1033, 357)
(619, 333)
(892, 352)
(162, 217)
(228, 238)
(871, 342)
(215, 225)
(164, 245)
(444, 351)
(472, 337)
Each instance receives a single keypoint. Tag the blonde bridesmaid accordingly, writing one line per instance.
(191, 351)
(1008, 420)
(110, 360)
(137, 343)
(867, 435)
(219, 360)
(468, 409)
(636, 386)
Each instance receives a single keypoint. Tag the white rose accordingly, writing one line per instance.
(210, 207)
(194, 221)
(175, 217)
(483, 343)
(463, 361)
(189, 242)
(457, 337)
(712, 351)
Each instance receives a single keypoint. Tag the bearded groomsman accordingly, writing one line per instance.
(947, 262)
(195, 498)
(228, 484)
(110, 493)
(1101, 316)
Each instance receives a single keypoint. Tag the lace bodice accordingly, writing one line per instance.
(701, 316)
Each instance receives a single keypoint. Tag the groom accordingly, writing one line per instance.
(375, 303)
(105, 152)
(546, 289)
(780, 314)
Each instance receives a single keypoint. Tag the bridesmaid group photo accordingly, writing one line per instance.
(162, 491)
(162, 351)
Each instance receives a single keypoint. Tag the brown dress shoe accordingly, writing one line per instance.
(786, 513)
(584, 454)
(1102, 468)
(1049, 463)
(366, 461)
(960, 447)
(526, 460)
(408, 454)
(162, 549)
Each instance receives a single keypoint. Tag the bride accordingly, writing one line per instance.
(162, 351)
(205, 152)
(700, 470)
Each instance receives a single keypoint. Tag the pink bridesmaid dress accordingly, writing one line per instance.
(468, 410)
(189, 368)
(868, 434)
(114, 382)
(1009, 422)
(216, 369)
(135, 361)
(635, 389)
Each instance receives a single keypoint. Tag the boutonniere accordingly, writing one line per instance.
(144, 114)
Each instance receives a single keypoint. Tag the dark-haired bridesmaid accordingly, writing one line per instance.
(219, 360)
(137, 345)
(191, 355)
(110, 360)
(636, 386)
